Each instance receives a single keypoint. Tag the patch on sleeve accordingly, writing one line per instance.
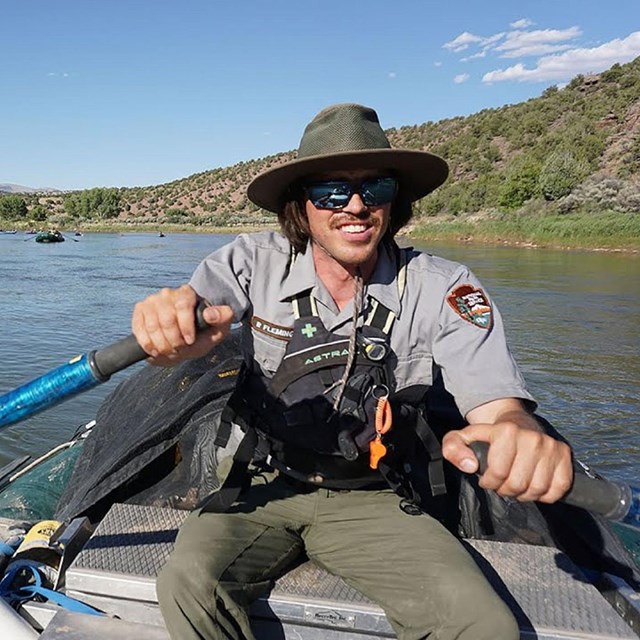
(270, 329)
(472, 305)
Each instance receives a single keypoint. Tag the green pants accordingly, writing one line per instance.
(427, 584)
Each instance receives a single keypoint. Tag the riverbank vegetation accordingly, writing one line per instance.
(607, 231)
(562, 169)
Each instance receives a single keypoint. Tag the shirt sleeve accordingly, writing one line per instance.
(471, 349)
(224, 276)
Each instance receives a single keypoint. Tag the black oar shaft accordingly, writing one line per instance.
(117, 356)
(613, 500)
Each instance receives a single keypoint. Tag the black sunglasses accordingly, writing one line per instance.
(335, 194)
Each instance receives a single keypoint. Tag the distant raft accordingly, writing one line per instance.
(49, 236)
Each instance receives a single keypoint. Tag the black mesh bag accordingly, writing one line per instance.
(153, 441)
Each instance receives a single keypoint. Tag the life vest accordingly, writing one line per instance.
(296, 405)
(291, 423)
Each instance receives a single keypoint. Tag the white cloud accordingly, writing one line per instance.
(437, 63)
(516, 72)
(572, 62)
(392, 74)
(475, 56)
(460, 78)
(536, 50)
(462, 42)
(488, 42)
(519, 44)
(523, 23)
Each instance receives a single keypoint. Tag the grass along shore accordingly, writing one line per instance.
(604, 231)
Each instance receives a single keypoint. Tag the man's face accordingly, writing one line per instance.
(350, 235)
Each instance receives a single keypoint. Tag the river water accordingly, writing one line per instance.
(573, 321)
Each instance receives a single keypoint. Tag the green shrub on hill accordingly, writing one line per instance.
(102, 204)
(561, 174)
(13, 207)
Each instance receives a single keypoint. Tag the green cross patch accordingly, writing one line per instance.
(308, 330)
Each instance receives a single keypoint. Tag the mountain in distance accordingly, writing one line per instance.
(18, 188)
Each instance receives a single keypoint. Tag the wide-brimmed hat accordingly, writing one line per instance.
(345, 137)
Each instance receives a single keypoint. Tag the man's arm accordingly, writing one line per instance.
(523, 461)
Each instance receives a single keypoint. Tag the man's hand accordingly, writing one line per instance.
(164, 325)
(523, 462)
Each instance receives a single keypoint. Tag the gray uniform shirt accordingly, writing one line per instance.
(444, 322)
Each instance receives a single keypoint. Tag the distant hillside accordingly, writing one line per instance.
(571, 149)
(18, 188)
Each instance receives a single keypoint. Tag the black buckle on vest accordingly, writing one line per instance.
(373, 349)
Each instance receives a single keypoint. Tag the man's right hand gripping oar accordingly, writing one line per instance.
(165, 327)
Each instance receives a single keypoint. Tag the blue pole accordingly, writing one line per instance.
(62, 382)
(77, 375)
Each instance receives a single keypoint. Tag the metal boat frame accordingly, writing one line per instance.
(114, 569)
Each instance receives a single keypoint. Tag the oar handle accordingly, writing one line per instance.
(613, 500)
(123, 353)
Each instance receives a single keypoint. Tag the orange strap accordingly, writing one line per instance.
(383, 421)
(383, 416)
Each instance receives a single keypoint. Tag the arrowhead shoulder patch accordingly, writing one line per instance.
(472, 305)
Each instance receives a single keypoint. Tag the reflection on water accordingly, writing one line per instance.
(572, 320)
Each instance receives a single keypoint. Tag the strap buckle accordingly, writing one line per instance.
(373, 349)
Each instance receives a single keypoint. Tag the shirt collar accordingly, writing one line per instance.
(302, 275)
(382, 286)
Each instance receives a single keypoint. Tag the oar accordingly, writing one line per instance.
(612, 499)
(77, 375)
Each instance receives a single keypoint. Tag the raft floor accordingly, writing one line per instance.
(116, 571)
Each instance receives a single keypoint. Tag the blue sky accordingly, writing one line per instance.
(141, 92)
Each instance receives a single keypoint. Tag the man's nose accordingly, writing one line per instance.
(355, 205)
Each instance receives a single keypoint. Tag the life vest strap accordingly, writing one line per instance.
(221, 500)
(304, 306)
(435, 467)
(316, 479)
